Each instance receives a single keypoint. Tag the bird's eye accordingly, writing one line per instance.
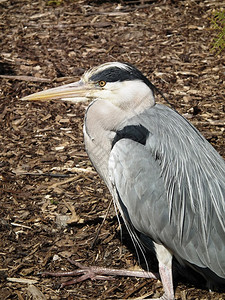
(101, 83)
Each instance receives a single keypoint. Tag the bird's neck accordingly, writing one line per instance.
(102, 120)
(103, 116)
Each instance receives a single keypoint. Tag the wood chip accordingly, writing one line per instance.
(74, 218)
(22, 280)
(35, 293)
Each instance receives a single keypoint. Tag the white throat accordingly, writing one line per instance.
(119, 102)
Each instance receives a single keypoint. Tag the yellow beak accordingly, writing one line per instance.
(74, 92)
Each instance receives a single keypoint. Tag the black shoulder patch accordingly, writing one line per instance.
(137, 133)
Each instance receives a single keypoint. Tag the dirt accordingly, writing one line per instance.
(52, 201)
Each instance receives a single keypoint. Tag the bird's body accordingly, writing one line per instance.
(166, 179)
(167, 184)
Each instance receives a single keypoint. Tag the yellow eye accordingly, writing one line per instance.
(101, 83)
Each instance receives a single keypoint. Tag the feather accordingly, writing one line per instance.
(173, 187)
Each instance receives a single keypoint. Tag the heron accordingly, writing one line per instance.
(165, 178)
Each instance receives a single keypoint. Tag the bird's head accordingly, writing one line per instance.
(121, 84)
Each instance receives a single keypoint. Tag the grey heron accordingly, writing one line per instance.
(166, 179)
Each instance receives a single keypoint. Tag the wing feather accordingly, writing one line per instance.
(174, 187)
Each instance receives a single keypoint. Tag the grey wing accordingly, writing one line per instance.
(173, 188)
(136, 178)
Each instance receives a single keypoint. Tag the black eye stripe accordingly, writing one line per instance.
(113, 74)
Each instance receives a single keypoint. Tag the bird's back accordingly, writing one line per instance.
(176, 193)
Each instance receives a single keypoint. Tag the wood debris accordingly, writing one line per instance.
(44, 169)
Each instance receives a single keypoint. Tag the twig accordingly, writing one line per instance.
(21, 225)
(44, 174)
(26, 78)
(100, 226)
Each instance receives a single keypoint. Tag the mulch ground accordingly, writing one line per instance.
(52, 201)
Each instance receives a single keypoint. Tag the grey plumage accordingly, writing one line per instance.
(173, 188)
(166, 179)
